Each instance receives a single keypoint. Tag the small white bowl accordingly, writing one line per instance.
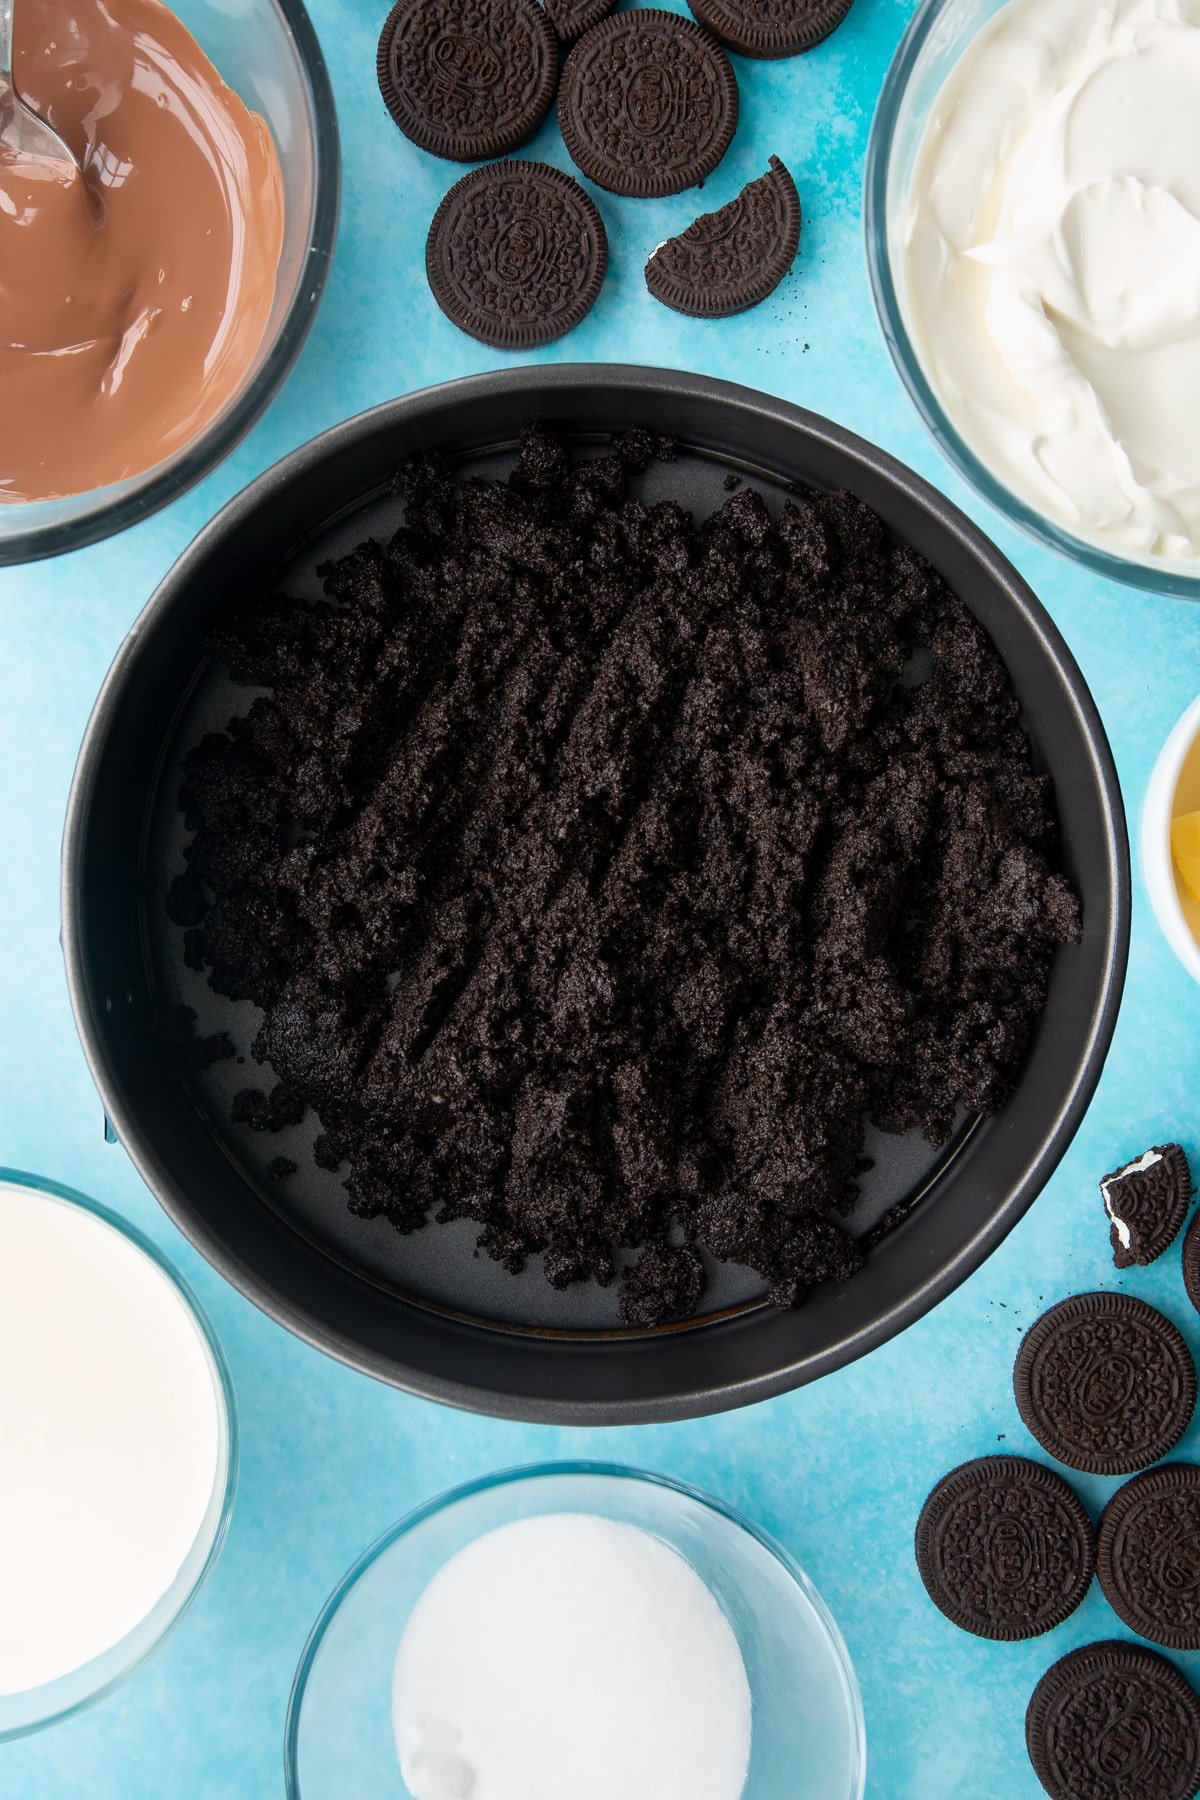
(1174, 788)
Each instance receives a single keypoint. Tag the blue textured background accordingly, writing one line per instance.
(838, 1471)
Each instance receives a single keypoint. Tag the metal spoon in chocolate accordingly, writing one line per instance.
(26, 139)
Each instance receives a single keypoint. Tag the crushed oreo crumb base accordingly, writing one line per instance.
(598, 871)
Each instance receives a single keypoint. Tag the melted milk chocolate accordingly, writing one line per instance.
(133, 302)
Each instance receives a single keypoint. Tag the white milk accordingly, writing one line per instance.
(110, 1436)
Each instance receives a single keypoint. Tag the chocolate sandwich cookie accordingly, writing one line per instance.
(647, 104)
(516, 254)
(768, 28)
(1004, 1547)
(1149, 1555)
(729, 260)
(1114, 1721)
(571, 18)
(467, 79)
(1105, 1383)
(1191, 1261)
(1147, 1202)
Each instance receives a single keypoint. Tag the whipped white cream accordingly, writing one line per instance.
(1050, 265)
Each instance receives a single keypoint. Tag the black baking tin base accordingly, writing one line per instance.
(426, 1312)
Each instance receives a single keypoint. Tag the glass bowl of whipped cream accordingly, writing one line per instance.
(1032, 214)
(578, 1630)
(155, 291)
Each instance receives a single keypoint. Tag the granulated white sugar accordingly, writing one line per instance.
(570, 1657)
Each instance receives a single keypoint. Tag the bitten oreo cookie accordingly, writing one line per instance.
(1147, 1202)
(1105, 1383)
(768, 28)
(571, 18)
(516, 254)
(1191, 1261)
(647, 103)
(1004, 1548)
(1149, 1555)
(1114, 1721)
(729, 260)
(467, 79)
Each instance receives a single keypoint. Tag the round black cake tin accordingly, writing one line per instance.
(425, 1311)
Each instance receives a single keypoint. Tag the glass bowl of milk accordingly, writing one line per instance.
(118, 1450)
(1032, 216)
(575, 1630)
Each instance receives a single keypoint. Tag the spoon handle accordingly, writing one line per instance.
(6, 45)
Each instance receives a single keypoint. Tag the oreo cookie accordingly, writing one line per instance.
(647, 103)
(516, 254)
(1004, 1547)
(571, 18)
(1114, 1721)
(1149, 1555)
(1105, 1383)
(467, 79)
(730, 260)
(1147, 1202)
(769, 28)
(1191, 1261)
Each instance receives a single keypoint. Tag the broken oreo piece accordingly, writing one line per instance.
(770, 28)
(730, 260)
(516, 254)
(1149, 1555)
(1005, 1548)
(1147, 1202)
(467, 87)
(647, 103)
(1114, 1721)
(571, 18)
(1105, 1383)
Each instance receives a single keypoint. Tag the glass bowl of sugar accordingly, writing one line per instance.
(575, 1629)
(118, 1444)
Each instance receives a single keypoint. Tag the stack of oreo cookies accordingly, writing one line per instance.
(647, 106)
(1006, 1549)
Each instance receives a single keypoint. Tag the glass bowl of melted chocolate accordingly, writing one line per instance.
(595, 922)
(156, 291)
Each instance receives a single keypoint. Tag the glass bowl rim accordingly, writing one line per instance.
(227, 1408)
(1171, 578)
(573, 1469)
(160, 485)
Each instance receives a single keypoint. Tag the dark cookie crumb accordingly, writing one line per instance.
(597, 871)
(187, 1051)
(280, 1167)
(666, 1283)
(282, 1107)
